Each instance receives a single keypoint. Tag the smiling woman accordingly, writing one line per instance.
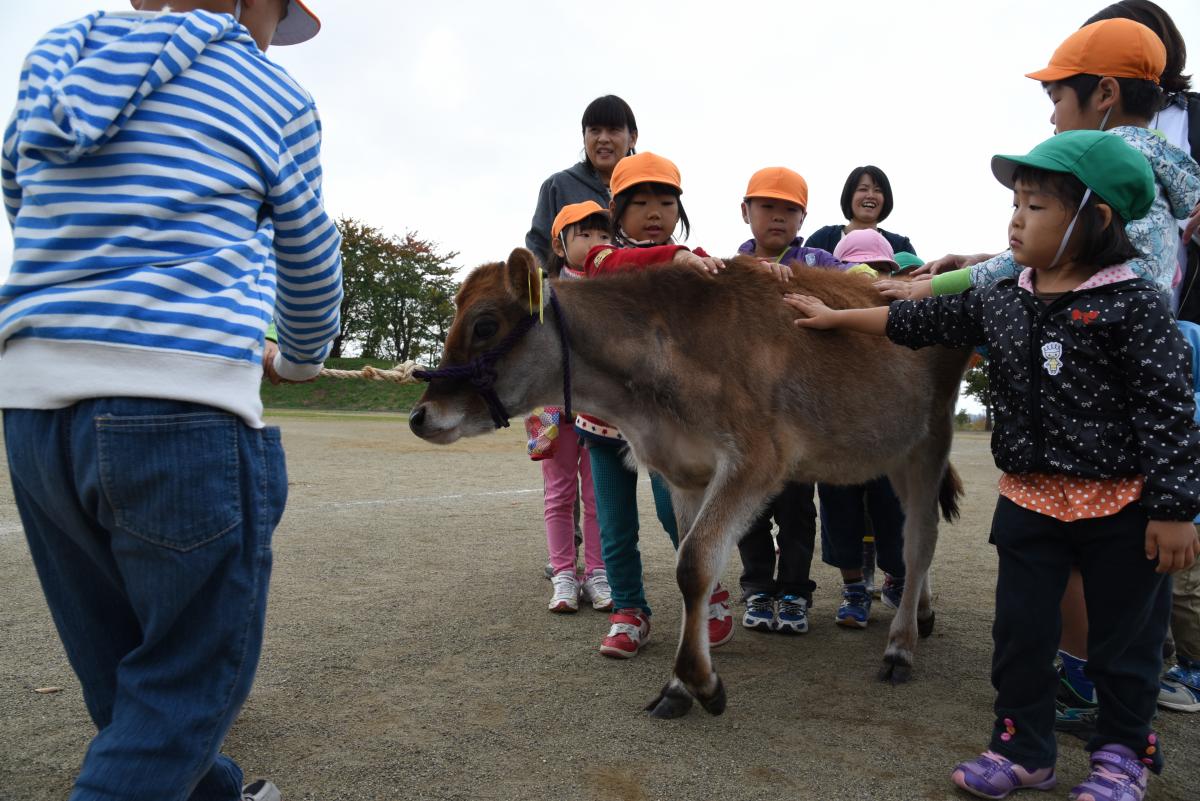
(866, 202)
(609, 135)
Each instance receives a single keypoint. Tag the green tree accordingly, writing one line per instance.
(977, 387)
(399, 293)
(411, 301)
(365, 252)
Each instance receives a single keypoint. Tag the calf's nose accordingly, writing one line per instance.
(416, 419)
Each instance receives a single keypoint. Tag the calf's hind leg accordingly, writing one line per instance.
(917, 486)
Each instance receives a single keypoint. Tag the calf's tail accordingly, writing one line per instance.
(949, 492)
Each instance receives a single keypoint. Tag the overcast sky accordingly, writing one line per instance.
(445, 117)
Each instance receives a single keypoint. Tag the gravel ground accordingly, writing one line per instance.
(409, 655)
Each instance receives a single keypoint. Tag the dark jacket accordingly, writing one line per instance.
(1097, 384)
(828, 237)
(577, 183)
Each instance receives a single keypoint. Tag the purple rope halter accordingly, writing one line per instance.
(481, 371)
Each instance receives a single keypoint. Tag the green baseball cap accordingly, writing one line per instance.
(1104, 162)
(905, 260)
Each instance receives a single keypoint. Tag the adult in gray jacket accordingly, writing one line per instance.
(609, 135)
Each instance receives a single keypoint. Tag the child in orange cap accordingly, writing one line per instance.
(1105, 76)
(566, 466)
(777, 587)
(646, 210)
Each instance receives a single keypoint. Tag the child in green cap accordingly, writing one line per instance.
(1101, 456)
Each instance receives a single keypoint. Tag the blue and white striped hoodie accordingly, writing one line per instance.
(163, 182)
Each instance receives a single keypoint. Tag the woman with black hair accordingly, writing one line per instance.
(866, 202)
(609, 135)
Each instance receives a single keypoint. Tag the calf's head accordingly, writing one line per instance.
(494, 300)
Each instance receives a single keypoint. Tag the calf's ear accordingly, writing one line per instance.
(525, 279)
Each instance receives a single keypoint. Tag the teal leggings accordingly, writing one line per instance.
(616, 507)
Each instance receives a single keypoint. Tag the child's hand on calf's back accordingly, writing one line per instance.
(782, 272)
(894, 289)
(706, 265)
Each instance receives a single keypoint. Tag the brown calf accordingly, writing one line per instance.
(716, 390)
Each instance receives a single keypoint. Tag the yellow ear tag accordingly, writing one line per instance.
(541, 295)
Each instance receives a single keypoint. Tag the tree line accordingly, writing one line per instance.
(398, 295)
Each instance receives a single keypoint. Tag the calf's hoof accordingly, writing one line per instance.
(896, 669)
(672, 702)
(925, 625)
(715, 704)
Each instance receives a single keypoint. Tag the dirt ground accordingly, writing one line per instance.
(409, 655)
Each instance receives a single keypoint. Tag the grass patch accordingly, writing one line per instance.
(350, 395)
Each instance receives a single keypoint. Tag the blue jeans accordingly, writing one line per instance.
(149, 523)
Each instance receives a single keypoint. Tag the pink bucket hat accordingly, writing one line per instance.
(864, 246)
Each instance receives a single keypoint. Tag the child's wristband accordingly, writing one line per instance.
(271, 335)
(955, 282)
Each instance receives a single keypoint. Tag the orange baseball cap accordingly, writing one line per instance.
(1117, 48)
(643, 168)
(298, 25)
(573, 213)
(779, 183)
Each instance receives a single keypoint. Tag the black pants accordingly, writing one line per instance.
(1128, 607)
(844, 511)
(796, 514)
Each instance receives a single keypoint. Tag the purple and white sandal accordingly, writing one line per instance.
(992, 776)
(1117, 775)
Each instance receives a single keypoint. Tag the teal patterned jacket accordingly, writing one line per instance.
(1155, 236)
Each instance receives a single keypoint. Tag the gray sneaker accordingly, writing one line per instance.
(261, 790)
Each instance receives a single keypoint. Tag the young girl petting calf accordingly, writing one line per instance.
(646, 209)
(1101, 456)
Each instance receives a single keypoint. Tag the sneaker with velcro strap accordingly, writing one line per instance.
(629, 632)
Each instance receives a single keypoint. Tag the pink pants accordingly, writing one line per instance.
(570, 468)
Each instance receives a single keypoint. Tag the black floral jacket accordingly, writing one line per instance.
(1096, 384)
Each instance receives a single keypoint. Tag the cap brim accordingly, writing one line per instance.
(298, 25)
(777, 196)
(1004, 167)
(1049, 74)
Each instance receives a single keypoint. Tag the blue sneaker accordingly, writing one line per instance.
(760, 612)
(892, 592)
(856, 606)
(1180, 688)
(793, 615)
(1075, 712)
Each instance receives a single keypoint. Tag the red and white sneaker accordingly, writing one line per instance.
(629, 632)
(720, 618)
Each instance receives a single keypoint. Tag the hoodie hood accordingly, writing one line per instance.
(72, 107)
(584, 174)
(1176, 173)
